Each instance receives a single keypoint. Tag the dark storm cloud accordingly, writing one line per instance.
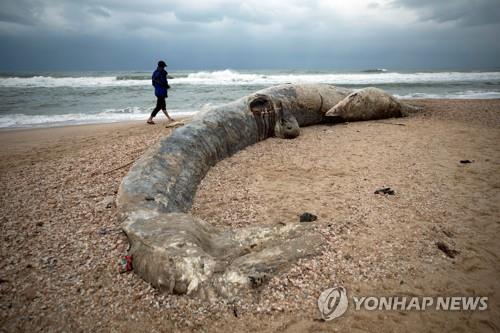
(466, 12)
(127, 34)
(23, 12)
(13, 18)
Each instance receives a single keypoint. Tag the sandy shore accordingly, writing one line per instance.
(61, 240)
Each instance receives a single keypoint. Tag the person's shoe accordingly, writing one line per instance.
(150, 122)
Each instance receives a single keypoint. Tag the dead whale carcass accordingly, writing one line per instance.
(181, 254)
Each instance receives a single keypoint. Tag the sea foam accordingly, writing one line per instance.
(106, 116)
(55, 82)
(231, 77)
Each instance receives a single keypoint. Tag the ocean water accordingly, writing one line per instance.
(56, 99)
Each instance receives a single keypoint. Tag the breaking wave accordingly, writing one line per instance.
(231, 77)
(55, 82)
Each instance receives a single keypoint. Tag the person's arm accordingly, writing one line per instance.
(156, 79)
(165, 80)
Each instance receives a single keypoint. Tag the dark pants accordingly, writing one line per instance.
(160, 105)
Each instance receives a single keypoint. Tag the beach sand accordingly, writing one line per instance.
(61, 240)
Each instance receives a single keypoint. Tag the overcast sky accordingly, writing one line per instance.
(249, 34)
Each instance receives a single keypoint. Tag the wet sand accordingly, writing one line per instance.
(61, 239)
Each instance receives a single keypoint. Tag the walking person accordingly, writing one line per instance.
(160, 82)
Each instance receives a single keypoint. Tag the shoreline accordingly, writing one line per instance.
(29, 138)
(410, 101)
(8, 129)
(181, 116)
(16, 135)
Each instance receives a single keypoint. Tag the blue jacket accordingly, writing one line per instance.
(160, 82)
